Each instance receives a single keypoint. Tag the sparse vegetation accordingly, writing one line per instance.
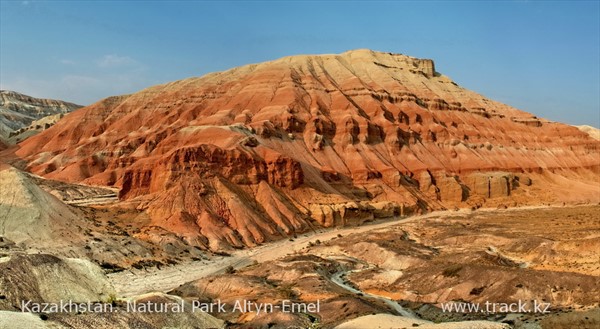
(229, 270)
(452, 271)
(286, 291)
(112, 299)
(146, 263)
(111, 268)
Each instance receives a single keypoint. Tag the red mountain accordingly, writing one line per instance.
(256, 152)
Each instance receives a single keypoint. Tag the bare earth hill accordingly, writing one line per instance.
(258, 152)
(25, 115)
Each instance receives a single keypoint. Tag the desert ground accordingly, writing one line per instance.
(386, 273)
(365, 188)
(410, 265)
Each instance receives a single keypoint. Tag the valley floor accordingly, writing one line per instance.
(537, 254)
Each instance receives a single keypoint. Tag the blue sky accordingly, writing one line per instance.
(539, 56)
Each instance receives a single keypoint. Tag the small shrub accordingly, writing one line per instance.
(111, 268)
(452, 271)
(286, 291)
(477, 291)
(112, 299)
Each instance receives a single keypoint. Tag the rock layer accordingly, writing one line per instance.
(239, 157)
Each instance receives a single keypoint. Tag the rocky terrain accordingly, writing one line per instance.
(542, 254)
(261, 152)
(368, 182)
(22, 116)
(72, 220)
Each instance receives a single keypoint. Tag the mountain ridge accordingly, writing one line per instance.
(20, 113)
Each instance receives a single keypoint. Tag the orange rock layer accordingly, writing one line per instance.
(243, 156)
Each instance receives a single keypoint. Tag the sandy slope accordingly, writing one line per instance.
(51, 279)
(15, 320)
(28, 213)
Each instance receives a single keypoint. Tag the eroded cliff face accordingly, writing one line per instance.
(265, 150)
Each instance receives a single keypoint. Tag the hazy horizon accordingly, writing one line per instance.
(540, 57)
